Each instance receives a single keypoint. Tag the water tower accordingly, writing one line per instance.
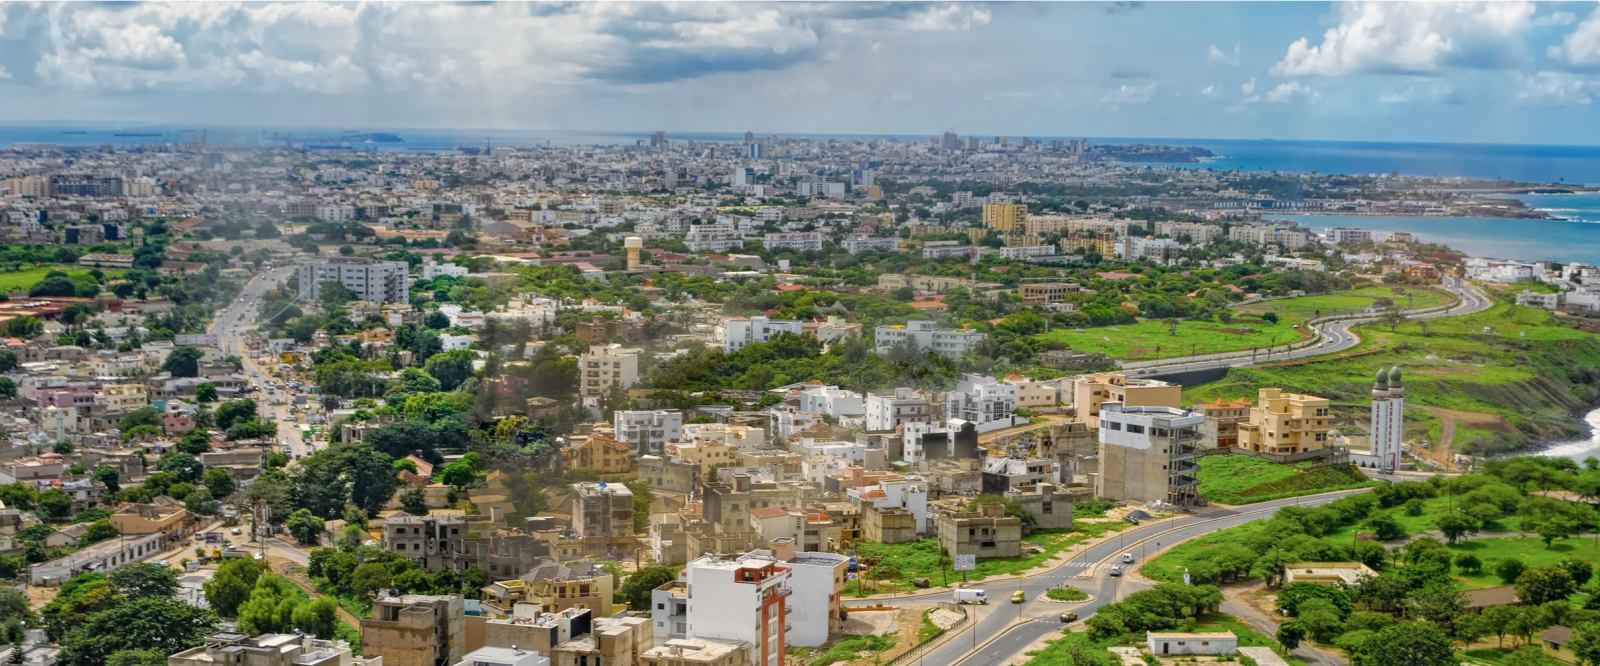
(633, 245)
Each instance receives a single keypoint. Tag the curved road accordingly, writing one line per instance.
(1086, 571)
(1337, 335)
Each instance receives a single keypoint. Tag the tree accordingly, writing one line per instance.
(1385, 527)
(234, 411)
(1468, 562)
(1454, 525)
(8, 388)
(333, 295)
(304, 526)
(1586, 644)
(1578, 570)
(1407, 644)
(129, 658)
(98, 531)
(202, 502)
(8, 361)
(1555, 528)
(414, 501)
(1541, 584)
(55, 504)
(1321, 618)
(205, 392)
(143, 579)
(369, 578)
(373, 480)
(219, 482)
(1392, 316)
(640, 583)
(109, 476)
(319, 617)
(230, 587)
(459, 474)
(184, 465)
(183, 362)
(1290, 634)
(145, 416)
(147, 623)
(270, 608)
(1527, 655)
(436, 320)
(1509, 570)
(450, 368)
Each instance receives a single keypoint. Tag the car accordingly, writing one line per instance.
(1127, 558)
(238, 531)
(1018, 597)
(1115, 571)
(160, 563)
(1069, 617)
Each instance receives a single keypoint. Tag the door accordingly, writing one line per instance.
(1164, 648)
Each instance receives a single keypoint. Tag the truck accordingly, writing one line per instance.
(971, 597)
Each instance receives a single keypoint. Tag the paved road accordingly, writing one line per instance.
(1337, 335)
(230, 325)
(1086, 571)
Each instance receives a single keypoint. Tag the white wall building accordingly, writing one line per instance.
(884, 412)
(432, 270)
(743, 599)
(605, 367)
(807, 240)
(910, 494)
(926, 337)
(831, 401)
(376, 281)
(987, 404)
(648, 432)
(859, 245)
(733, 333)
(713, 237)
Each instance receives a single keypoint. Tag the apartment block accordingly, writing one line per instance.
(733, 333)
(1223, 417)
(713, 238)
(699, 652)
(987, 404)
(648, 431)
(606, 368)
(1040, 293)
(924, 284)
(1037, 395)
(1149, 454)
(1285, 423)
(743, 599)
(1090, 391)
(1003, 217)
(926, 336)
(416, 630)
(369, 280)
(1288, 235)
(441, 541)
(552, 587)
(801, 241)
(237, 649)
(670, 474)
(889, 524)
(603, 510)
(904, 405)
(831, 401)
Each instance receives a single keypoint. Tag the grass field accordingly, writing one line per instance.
(1236, 480)
(1059, 651)
(24, 280)
(1235, 474)
(921, 558)
(1151, 339)
(1530, 550)
(1344, 302)
(1497, 657)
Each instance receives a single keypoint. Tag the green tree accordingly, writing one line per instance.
(146, 623)
(318, 617)
(1454, 525)
(414, 501)
(1586, 644)
(304, 526)
(1579, 570)
(450, 368)
(458, 474)
(131, 658)
(98, 531)
(369, 578)
(640, 583)
(143, 416)
(436, 320)
(183, 362)
(1555, 528)
(1468, 562)
(184, 465)
(1290, 634)
(205, 392)
(230, 587)
(270, 607)
(1407, 644)
(1541, 584)
(1385, 527)
(219, 482)
(55, 504)
(235, 411)
(143, 579)
(1509, 570)
(1321, 618)
(333, 295)
(110, 477)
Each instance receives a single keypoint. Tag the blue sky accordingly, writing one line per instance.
(1508, 72)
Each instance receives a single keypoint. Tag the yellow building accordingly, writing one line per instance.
(1102, 245)
(710, 454)
(601, 454)
(1091, 390)
(1285, 423)
(1004, 217)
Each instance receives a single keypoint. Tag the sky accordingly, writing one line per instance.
(1501, 72)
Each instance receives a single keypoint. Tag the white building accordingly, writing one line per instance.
(713, 237)
(1166, 643)
(1342, 235)
(502, 656)
(785, 421)
(885, 412)
(859, 245)
(1203, 234)
(743, 438)
(648, 432)
(831, 401)
(802, 241)
(432, 270)
(336, 213)
(925, 336)
(1388, 423)
(968, 251)
(1287, 234)
(743, 599)
(910, 494)
(1026, 251)
(817, 579)
(376, 281)
(987, 404)
(608, 366)
(733, 333)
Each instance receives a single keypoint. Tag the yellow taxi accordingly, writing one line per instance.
(1018, 597)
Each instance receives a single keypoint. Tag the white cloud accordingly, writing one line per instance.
(1393, 98)
(1290, 91)
(1554, 18)
(1556, 88)
(1208, 91)
(1581, 47)
(1249, 87)
(1217, 56)
(1411, 37)
(1127, 94)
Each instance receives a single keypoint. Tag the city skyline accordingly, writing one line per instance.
(1475, 73)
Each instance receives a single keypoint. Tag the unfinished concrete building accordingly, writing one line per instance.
(416, 630)
(451, 542)
(728, 505)
(603, 511)
(987, 532)
(1149, 454)
(889, 524)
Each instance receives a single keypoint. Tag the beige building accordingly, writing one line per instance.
(1040, 293)
(173, 522)
(1286, 423)
(416, 630)
(1005, 217)
(1222, 421)
(236, 649)
(612, 641)
(889, 524)
(607, 367)
(552, 587)
(1149, 454)
(1326, 573)
(698, 652)
(987, 532)
(1089, 391)
(925, 284)
(709, 455)
(1036, 396)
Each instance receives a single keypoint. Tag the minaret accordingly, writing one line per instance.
(1379, 438)
(1397, 418)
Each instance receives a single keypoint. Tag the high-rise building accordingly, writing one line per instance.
(950, 141)
(647, 432)
(607, 367)
(658, 139)
(1005, 217)
(749, 137)
(983, 402)
(743, 599)
(369, 280)
(1149, 454)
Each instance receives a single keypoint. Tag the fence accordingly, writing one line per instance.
(921, 648)
(1328, 456)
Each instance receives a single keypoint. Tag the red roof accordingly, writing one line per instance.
(790, 287)
(1116, 275)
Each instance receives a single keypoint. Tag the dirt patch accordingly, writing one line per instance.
(1476, 420)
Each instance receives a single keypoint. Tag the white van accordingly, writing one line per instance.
(972, 597)
(1127, 558)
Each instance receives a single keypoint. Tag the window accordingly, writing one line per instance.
(1113, 425)
(1135, 429)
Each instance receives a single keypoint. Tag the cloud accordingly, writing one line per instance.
(1554, 18)
(1412, 38)
(1556, 89)
(1290, 91)
(1249, 87)
(1217, 56)
(1209, 91)
(1123, 6)
(1393, 98)
(1130, 94)
(1581, 47)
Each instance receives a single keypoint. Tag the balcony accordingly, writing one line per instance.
(1183, 481)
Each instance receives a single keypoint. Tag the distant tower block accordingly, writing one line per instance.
(633, 244)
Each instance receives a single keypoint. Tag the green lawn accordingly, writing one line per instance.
(1059, 651)
(848, 649)
(921, 558)
(1530, 550)
(1231, 482)
(1151, 339)
(24, 280)
(1497, 657)
(1236, 474)
(1066, 594)
(1344, 302)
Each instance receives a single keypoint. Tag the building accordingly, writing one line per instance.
(817, 582)
(1326, 573)
(102, 557)
(432, 270)
(743, 599)
(172, 522)
(648, 432)
(889, 524)
(1037, 395)
(987, 404)
(987, 532)
(503, 656)
(1342, 235)
(970, 252)
(1194, 232)
(923, 284)
(601, 454)
(1040, 293)
(831, 401)
(553, 587)
(713, 238)
(416, 630)
(602, 510)
(910, 494)
(1284, 423)
(1089, 391)
(886, 412)
(803, 241)
(438, 542)
(369, 280)
(1223, 417)
(1557, 644)
(236, 649)
(1286, 234)
(1388, 423)
(1068, 359)
(858, 245)
(1149, 454)
(537, 631)
(733, 333)
(699, 652)
(925, 336)
(670, 474)
(1004, 217)
(1026, 251)
(607, 368)
(1182, 643)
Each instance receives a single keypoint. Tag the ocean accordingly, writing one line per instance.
(1494, 237)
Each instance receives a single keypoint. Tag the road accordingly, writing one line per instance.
(1086, 571)
(1337, 335)
(230, 325)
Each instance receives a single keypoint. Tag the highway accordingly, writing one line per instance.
(1337, 335)
(230, 325)
(1087, 571)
